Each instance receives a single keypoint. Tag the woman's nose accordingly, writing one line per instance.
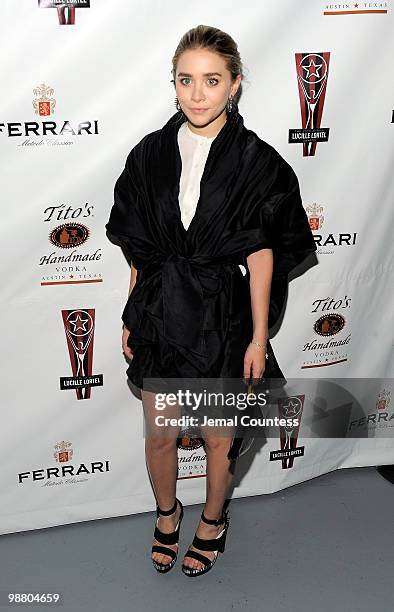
(197, 93)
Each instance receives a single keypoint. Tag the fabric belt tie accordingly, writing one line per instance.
(186, 284)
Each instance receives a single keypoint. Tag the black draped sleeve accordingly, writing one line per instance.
(275, 218)
(128, 225)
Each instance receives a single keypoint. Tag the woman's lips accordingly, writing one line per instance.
(199, 110)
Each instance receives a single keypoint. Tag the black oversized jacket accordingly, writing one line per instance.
(190, 290)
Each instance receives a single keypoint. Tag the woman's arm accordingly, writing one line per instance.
(133, 278)
(260, 265)
(125, 330)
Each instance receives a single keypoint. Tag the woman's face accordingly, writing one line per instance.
(203, 85)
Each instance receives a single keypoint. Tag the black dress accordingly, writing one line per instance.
(189, 313)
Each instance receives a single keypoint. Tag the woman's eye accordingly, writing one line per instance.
(211, 81)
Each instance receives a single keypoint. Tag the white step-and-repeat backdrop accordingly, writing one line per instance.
(82, 82)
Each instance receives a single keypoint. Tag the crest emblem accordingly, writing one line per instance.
(383, 400)
(44, 104)
(315, 216)
(63, 451)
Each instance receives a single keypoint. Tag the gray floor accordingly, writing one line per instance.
(322, 545)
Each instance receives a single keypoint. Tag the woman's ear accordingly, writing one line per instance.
(236, 84)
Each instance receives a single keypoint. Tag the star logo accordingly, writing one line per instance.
(292, 408)
(79, 324)
(312, 69)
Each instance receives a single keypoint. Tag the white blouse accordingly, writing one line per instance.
(194, 150)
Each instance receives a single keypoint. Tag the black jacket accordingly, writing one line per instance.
(190, 293)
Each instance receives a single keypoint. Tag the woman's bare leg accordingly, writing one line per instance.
(219, 479)
(162, 462)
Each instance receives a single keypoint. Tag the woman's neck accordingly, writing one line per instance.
(211, 129)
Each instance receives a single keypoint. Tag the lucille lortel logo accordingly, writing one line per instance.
(79, 329)
(312, 75)
(65, 9)
(289, 407)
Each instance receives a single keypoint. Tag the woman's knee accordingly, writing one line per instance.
(160, 442)
(217, 443)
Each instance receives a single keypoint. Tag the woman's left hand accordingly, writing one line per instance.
(254, 363)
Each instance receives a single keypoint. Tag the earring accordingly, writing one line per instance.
(178, 106)
(230, 104)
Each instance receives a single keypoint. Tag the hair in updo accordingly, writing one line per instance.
(213, 39)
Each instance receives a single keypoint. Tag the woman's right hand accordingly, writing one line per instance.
(126, 349)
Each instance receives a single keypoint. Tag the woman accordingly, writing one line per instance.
(197, 199)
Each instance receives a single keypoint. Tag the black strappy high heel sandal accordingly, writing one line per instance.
(216, 544)
(166, 538)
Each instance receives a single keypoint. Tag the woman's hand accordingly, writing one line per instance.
(126, 349)
(254, 360)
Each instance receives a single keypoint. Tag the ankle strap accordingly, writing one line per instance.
(212, 521)
(167, 512)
